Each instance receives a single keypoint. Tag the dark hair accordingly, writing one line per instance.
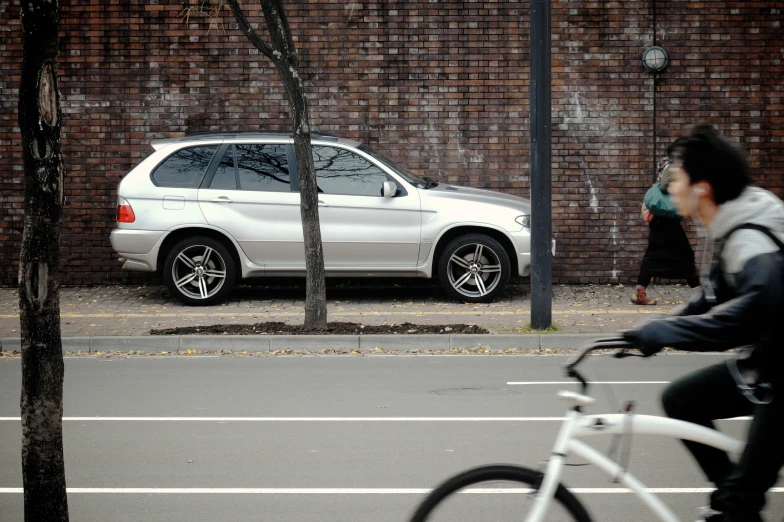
(706, 156)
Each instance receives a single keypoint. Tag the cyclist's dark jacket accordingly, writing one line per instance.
(749, 285)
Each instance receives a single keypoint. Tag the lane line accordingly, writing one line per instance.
(304, 419)
(314, 419)
(353, 491)
(566, 383)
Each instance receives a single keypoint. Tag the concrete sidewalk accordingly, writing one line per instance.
(120, 317)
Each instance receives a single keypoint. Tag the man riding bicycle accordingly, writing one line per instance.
(739, 305)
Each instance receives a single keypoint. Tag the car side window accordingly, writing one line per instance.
(185, 168)
(263, 167)
(341, 171)
(225, 177)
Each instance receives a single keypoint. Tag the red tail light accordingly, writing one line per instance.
(125, 212)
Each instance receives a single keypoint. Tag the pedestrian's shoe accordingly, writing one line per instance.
(639, 297)
(708, 514)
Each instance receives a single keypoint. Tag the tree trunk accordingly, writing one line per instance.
(283, 54)
(288, 70)
(315, 284)
(43, 470)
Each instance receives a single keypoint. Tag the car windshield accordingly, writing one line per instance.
(400, 170)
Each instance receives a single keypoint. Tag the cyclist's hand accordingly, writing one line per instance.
(637, 340)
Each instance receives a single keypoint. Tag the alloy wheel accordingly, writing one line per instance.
(474, 270)
(199, 272)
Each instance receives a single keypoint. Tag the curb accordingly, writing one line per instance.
(313, 343)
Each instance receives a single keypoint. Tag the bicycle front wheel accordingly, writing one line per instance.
(497, 497)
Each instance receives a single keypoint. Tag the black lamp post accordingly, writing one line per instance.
(541, 207)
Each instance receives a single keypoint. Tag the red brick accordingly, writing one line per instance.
(441, 89)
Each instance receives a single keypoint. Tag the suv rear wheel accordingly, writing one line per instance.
(474, 268)
(199, 271)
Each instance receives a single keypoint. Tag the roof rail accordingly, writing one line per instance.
(234, 133)
(317, 135)
(324, 136)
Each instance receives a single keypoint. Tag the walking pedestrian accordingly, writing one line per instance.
(669, 253)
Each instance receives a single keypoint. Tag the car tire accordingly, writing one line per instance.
(470, 281)
(195, 282)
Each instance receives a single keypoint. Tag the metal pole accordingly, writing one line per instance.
(541, 226)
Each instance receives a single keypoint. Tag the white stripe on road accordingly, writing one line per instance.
(353, 491)
(566, 383)
(305, 419)
(314, 419)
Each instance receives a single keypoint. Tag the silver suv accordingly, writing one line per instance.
(211, 209)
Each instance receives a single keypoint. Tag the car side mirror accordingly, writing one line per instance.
(389, 189)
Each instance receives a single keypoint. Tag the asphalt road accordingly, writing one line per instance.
(342, 438)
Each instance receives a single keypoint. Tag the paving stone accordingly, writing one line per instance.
(134, 310)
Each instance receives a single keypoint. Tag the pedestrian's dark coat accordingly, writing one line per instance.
(669, 253)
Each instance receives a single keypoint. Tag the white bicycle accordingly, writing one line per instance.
(548, 499)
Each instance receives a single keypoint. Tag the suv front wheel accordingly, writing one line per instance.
(199, 271)
(474, 268)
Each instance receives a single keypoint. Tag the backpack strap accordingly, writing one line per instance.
(753, 226)
(761, 391)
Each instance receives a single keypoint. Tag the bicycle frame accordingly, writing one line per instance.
(578, 426)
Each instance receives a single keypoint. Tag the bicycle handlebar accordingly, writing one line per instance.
(621, 346)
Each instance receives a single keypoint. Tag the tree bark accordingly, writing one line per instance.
(283, 54)
(43, 470)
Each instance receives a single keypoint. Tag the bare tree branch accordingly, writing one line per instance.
(280, 33)
(251, 33)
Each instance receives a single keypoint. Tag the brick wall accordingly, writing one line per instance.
(439, 86)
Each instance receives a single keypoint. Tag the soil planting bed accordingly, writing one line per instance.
(336, 328)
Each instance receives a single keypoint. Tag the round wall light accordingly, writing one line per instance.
(655, 59)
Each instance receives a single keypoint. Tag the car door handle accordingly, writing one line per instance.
(322, 204)
(221, 199)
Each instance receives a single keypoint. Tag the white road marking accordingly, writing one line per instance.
(352, 491)
(566, 383)
(313, 419)
(304, 419)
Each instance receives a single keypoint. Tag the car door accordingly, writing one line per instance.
(174, 201)
(360, 227)
(249, 195)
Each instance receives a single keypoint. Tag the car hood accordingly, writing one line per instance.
(477, 195)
